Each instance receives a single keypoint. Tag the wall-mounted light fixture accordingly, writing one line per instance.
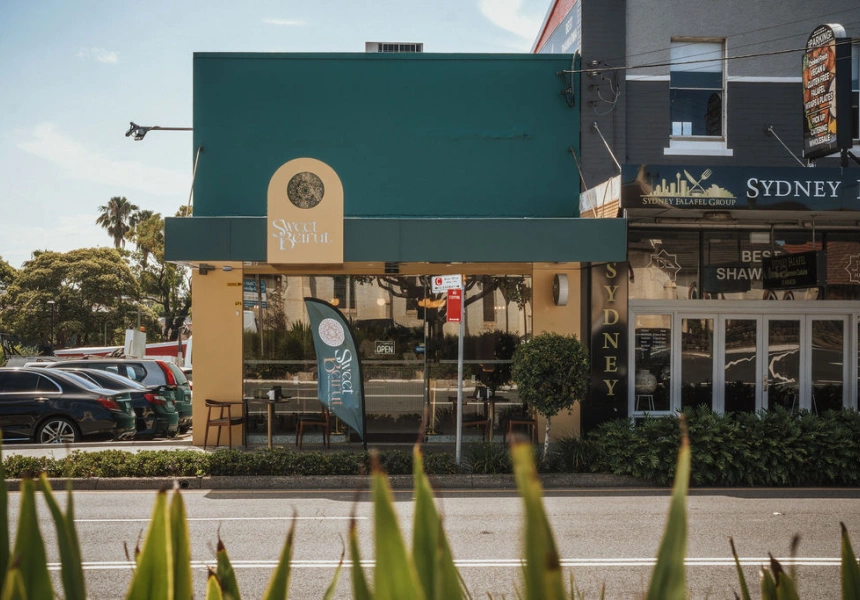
(227, 268)
(559, 289)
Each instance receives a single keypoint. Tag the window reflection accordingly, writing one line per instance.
(407, 347)
(653, 366)
(697, 362)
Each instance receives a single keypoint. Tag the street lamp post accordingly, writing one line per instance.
(52, 303)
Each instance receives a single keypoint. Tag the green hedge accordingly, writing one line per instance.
(190, 463)
(773, 448)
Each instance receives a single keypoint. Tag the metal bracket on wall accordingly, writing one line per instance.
(567, 92)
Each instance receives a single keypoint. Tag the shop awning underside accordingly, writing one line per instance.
(413, 240)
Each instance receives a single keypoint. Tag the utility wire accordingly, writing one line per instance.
(596, 68)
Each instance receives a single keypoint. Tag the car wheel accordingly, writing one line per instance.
(57, 430)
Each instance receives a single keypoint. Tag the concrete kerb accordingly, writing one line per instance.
(352, 482)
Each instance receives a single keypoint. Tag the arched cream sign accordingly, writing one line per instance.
(305, 214)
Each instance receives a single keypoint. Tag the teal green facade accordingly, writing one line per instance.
(443, 157)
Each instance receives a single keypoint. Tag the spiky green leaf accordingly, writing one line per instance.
(226, 575)
(745, 591)
(279, 584)
(542, 570)
(360, 591)
(394, 577)
(72, 570)
(153, 578)
(850, 570)
(668, 580)
(29, 550)
(183, 584)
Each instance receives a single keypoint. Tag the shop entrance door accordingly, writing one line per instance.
(793, 361)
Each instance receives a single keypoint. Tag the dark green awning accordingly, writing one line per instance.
(413, 240)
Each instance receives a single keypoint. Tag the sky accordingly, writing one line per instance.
(74, 73)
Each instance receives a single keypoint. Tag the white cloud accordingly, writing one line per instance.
(59, 234)
(285, 22)
(79, 163)
(510, 16)
(99, 54)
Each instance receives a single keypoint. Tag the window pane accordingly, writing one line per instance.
(653, 362)
(697, 362)
(741, 365)
(687, 79)
(696, 56)
(827, 339)
(665, 264)
(702, 108)
(783, 363)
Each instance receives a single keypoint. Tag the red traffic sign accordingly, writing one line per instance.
(455, 305)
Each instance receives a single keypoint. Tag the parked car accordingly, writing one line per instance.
(147, 372)
(153, 405)
(55, 407)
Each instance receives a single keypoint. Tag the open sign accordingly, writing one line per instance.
(384, 347)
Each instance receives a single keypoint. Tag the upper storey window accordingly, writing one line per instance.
(855, 90)
(697, 90)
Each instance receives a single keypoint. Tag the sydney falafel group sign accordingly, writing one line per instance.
(826, 92)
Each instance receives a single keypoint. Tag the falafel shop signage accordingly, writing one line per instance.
(339, 381)
(826, 91)
(712, 188)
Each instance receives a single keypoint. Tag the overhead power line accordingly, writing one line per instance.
(600, 69)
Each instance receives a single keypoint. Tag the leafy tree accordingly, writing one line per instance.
(7, 274)
(551, 372)
(91, 287)
(161, 283)
(116, 218)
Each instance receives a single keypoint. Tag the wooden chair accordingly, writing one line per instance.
(527, 420)
(225, 418)
(323, 419)
(477, 421)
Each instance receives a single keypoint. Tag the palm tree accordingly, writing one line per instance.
(116, 218)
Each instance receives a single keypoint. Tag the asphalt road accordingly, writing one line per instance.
(605, 537)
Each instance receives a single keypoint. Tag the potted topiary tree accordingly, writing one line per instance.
(551, 372)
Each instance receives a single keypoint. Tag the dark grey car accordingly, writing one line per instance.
(147, 372)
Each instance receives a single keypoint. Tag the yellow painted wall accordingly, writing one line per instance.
(217, 354)
(558, 319)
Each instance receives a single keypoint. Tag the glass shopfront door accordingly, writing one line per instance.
(747, 361)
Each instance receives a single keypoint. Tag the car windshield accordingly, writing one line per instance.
(181, 379)
(110, 380)
(79, 381)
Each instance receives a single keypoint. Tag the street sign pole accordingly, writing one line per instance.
(456, 308)
(460, 387)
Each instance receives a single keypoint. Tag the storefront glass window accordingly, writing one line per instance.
(827, 351)
(783, 363)
(843, 266)
(664, 265)
(653, 366)
(397, 322)
(734, 264)
(697, 362)
(741, 366)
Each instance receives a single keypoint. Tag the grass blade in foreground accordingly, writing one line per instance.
(542, 567)
(213, 589)
(279, 584)
(394, 577)
(433, 558)
(153, 579)
(668, 580)
(360, 590)
(745, 591)
(29, 551)
(225, 574)
(183, 586)
(850, 569)
(72, 573)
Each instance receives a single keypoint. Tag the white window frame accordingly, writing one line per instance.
(700, 145)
